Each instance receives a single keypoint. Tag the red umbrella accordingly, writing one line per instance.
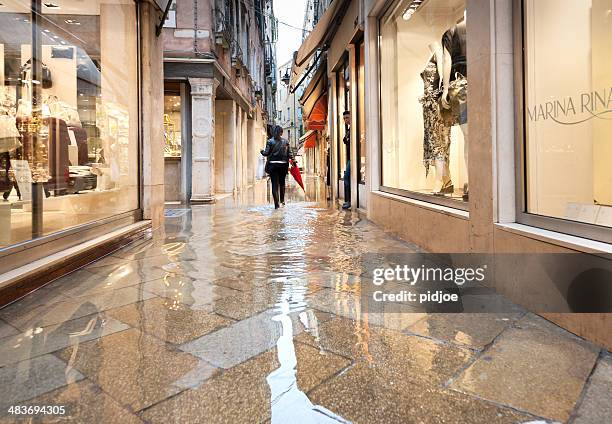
(295, 172)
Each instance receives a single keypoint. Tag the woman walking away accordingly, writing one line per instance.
(279, 156)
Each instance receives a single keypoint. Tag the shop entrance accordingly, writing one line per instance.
(177, 176)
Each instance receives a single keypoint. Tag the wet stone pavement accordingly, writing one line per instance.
(237, 313)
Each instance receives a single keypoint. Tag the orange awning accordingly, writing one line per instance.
(310, 140)
(314, 100)
(318, 115)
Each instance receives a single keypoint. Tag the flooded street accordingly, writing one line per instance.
(237, 313)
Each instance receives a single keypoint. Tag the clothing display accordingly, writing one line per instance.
(26, 74)
(455, 42)
(9, 135)
(436, 140)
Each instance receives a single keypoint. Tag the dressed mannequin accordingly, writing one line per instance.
(454, 42)
(436, 140)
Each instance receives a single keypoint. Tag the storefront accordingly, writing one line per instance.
(535, 127)
(71, 123)
(177, 127)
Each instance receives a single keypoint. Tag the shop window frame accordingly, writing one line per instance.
(427, 198)
(65, 238)
(565, 226)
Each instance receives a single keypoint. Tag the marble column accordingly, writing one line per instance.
(252, 148)
(203, 139)
(238, 154)
(245, 152)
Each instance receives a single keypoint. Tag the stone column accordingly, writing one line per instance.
(152, 119)
(238, 150)
(203, 139)
(225, 149)
(245, 152)
(252, 149)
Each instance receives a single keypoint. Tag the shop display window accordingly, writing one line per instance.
(172, 124)
(568, 112)
(343, 99)
(424, 86)
(361, 131)
(68, 115)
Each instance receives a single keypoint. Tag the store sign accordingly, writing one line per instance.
(23, 176)
(574, 110)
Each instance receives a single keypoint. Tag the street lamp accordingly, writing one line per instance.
(286, 78)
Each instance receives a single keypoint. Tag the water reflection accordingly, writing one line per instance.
(288, 402)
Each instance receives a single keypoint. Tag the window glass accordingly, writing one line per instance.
(172, 124)
(343, 101)
(424, 97)
(68, 114)
(361, 105)
(568, 109)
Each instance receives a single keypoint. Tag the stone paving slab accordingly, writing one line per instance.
(135, 369)
(367, 395)
(85, 283)
(390, 352)
(33, 377)
(187, 291)
(243, 393)
(7, 330)
(71, 308)
(169, 321)
(256, 334)
(83, 402)
(42, 340)
(466, 329)
(596, 406)
(535, 367)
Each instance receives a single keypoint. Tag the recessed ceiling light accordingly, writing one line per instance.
(72, 22)
(410, 10)
(52, 5)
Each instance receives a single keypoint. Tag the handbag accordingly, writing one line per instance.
(457, 95)
(261, 168)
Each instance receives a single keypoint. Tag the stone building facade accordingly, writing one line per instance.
(220, 81)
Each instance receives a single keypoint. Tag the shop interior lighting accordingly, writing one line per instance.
(72, 22)
(411, 9)
(52, 5)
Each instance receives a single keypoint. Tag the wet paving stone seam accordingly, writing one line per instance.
(536, 418)
(573, 415)
(483, 353)
(459, 345)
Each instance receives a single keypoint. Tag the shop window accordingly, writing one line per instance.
(568, 115)
(68, 115)
(172, 124)
(343, 98)
(423, 72)
(361, 120)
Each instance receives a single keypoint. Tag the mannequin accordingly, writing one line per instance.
(436, 141)
(454, 43)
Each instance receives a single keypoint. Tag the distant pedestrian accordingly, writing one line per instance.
(279, 156)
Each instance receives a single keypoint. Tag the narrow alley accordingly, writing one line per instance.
(242, 313)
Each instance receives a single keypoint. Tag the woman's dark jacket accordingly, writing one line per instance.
(278, 151)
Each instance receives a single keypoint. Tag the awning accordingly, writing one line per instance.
(309, 140)
(323, 31)
(314, 101)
